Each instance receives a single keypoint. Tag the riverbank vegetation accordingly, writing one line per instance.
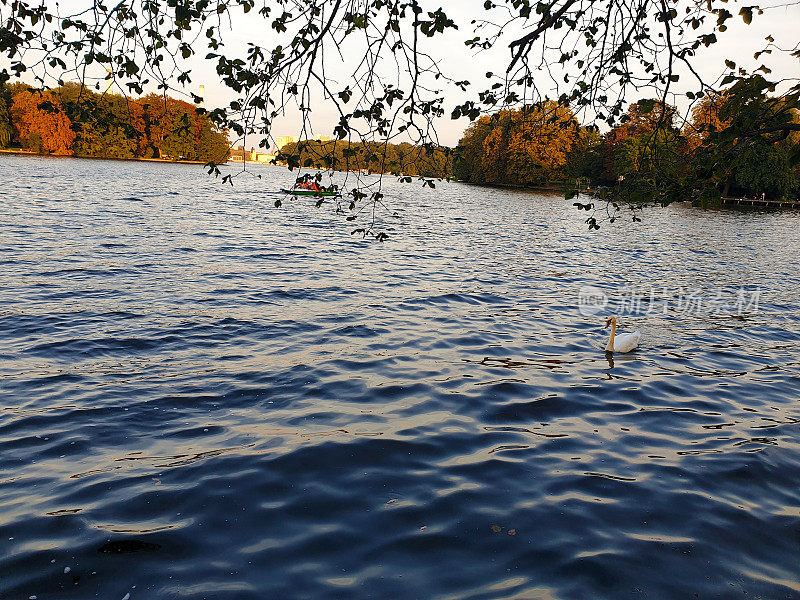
(742, 142)
(71, 120)
(429, 160)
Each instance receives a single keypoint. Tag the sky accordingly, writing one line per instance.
(738, 43)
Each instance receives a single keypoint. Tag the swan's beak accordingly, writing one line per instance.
(607, 324)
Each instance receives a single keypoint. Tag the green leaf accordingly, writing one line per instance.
(647, 106)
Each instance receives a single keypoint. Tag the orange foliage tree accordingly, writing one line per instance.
(41, 124)
(526, 146)
(628, 142)
(705, 120)
(166, 127)
(148, 116)
(645, 116)
(540, 141)
(181, 130)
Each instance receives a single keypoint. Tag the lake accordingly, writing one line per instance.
(203, 396)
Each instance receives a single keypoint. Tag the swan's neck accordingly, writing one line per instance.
(610, 346)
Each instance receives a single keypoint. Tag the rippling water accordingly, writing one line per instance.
(202, 396)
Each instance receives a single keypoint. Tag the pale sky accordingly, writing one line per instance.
(738, 43)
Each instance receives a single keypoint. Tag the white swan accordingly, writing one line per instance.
(624, 342)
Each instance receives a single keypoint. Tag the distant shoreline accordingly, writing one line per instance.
(555, 187)
(21, 152)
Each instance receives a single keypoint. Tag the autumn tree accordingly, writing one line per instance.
(626, 145)
(398, 159)
(100, 121)
(527, 146)
(212, 145)
(751, 146)
(585, 158)
(105, 125)
(106, 134)
(40, 123)
(705, 120)
(165, 126)
(643, 117)
(148, 118)
(540, 142)
(181, 130)
(495, 158)
(6, 128)
(469, 164)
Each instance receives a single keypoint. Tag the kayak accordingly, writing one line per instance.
(310, 193)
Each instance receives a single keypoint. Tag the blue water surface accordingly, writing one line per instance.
(203, 396)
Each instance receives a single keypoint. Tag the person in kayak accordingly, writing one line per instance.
(311, 185)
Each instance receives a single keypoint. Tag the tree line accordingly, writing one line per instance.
(742, 141)
(427, 160)
(73, 120)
